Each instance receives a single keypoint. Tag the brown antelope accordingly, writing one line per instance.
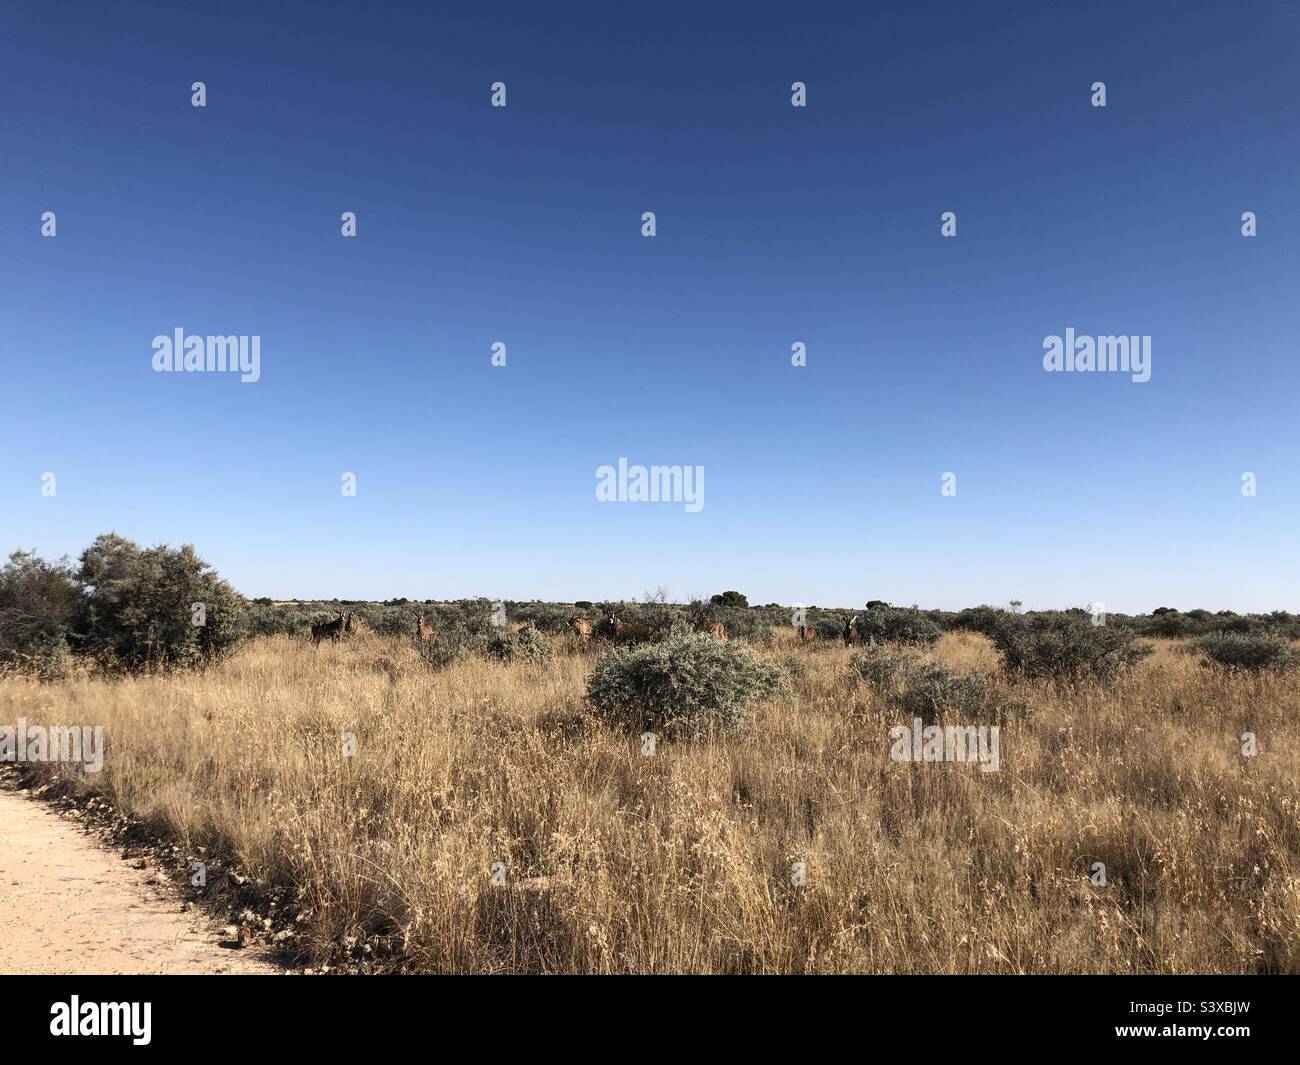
(807, 634)
(850, 633)
(423, 630)
(581, 627)
(620, 631)
(333, 630)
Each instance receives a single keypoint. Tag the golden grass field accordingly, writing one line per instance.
(680, 862)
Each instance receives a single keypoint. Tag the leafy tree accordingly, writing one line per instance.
(730, 599)
(157, 607)
(39, 601)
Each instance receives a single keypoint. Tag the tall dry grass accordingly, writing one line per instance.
(681, 862)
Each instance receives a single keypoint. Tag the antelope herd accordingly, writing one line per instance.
(612, 628)
(616, 630)
(849, 634)
(348, 622)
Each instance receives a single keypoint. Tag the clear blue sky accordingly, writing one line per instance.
(775, 225)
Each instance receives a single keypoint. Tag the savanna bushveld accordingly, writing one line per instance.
(700, 787)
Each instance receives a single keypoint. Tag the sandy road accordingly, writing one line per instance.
(68, 905)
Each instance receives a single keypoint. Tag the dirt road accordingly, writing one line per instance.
(68, 905)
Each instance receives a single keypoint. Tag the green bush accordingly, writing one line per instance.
(154, 608)
(266, 619)
(659, 618)
(51, 659)
(391, 620)
(827, 625)
(550, 618)
(934, 691)
(446, 645)
(685, 684)
(882, 667)
(1066, 647)
(39, 603)
(888, 624)
(525, 645)
(986, 620)
(1257, 652)
(744, 624)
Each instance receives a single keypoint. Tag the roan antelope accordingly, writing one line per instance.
(807, 634)
(716, 629)
(620, 631)
(423, 630)
(353, 624)
(581, 627)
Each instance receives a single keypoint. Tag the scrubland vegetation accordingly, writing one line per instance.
(484, 802)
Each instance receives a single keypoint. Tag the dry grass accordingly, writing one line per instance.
(681, 862)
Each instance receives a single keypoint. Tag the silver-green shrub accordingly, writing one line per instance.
(1254, 652)
(685, 684)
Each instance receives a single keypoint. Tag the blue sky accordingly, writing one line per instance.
(775, 224)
